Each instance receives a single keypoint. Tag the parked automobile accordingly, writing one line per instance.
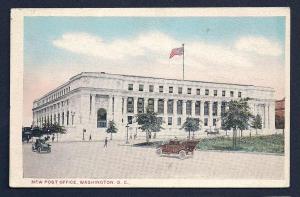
(180, 148)
(41, 146)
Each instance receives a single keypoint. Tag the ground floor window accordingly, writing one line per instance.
(130, 105)
(169, 120)
(140, 106)
(68, 117)
(189, 108)
(205, 121)
(223, 107)
(206, 108)
(129, 119)
(197, 108)
(214, 122)
(215, 108)
(101, 118)
(160, 109)
(170, 106)
(179, 121)
(151, 105)
(179, 107)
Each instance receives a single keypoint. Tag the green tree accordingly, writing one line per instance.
(191, 125)
(237, 116)
(257, 122)
(149, 122)
(50, 129)
(112, 128)
(37, 132)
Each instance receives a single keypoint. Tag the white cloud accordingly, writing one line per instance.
(245, 61)
(259, 45)
(156, 45)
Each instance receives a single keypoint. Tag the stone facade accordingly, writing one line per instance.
(89, 100)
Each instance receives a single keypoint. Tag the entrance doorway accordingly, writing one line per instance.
(101, 118)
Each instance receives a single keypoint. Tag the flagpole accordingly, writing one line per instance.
(183, 62)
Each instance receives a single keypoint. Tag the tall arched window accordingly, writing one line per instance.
(101, 118)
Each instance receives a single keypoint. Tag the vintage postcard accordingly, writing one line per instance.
(160, 97)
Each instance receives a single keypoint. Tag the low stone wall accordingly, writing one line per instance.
(100, 134)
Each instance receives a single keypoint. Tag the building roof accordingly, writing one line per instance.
(150, 77)
(144, 77)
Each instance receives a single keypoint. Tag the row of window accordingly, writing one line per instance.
(54, 106)
(60, 119)
(170, 106)
(179, 121)
(54, 96)
(189, 90)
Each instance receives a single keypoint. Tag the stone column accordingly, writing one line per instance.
(155, 104)
(268, 116)
(183, 111)
(265, 116)
(202, 112)
(109, 109)
(193, 108)
(210, 119)
(175, 113)
(118, 111)
(125, 111)
(94, 111)
(175, 107)
(166, 110)
(135, 103)
(219, 118)
(145, 104)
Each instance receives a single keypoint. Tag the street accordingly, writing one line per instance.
(92, 160)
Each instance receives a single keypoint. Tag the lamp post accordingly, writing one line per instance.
(127, 142)
(83, 131)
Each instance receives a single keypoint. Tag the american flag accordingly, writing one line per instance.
(176, 51)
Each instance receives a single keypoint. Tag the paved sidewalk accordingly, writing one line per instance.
(92, 160)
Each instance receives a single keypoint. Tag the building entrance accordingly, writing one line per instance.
(101, 118)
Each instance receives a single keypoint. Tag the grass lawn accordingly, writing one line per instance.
(267, 144)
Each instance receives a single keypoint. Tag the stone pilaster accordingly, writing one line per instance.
(210, 119)
(219, 120)
(193, 108)
(135, 105)
(155, 104)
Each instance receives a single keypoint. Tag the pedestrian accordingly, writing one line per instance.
(105, 142)
(90, 137)
(130, 137)
(53, 137)
(135, 136)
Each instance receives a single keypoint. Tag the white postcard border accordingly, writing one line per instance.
(16, 94)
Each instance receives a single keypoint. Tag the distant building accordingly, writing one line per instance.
(279, 107)
(90, 99)
(279, 113)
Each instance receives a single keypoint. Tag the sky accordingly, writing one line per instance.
(246, 50)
